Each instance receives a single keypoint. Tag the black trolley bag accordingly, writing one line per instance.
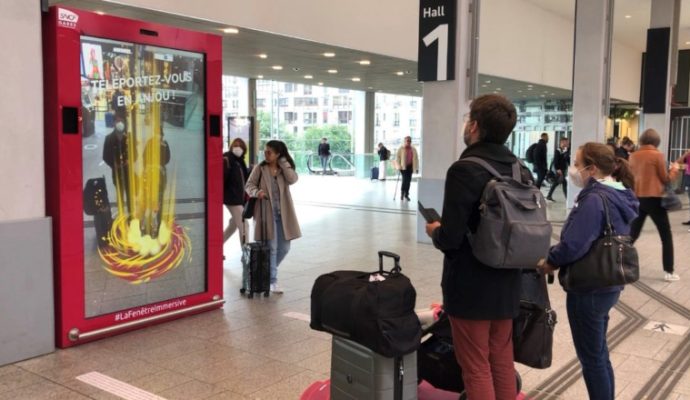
(374, 309)
(256, 262)
(96, 203)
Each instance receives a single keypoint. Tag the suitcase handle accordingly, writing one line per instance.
(396, 260)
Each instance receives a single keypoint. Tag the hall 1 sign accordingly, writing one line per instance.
(436, 56)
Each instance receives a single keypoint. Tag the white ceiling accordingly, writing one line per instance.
(630, 31)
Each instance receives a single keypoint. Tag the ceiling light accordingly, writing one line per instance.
(519, 91)
(542, 95)
(495, 92)
(320, 83)
(637, 112)
(687, 42)
(277, 67)
(370, 87)
(483, 85)
(100, 13)
(365, 62)
(329, 54)
(628, 16)
(487, 81)
(332, 71)
(400, 73)
(295, 69)
(308, 77)
(498, 89)
(260, 77)
(355, 79)
(529, 85)
(231, 30)
(264, 56)
(529, 88)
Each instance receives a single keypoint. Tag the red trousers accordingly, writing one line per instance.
(484, 350)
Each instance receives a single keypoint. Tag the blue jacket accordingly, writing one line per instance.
(586, 222)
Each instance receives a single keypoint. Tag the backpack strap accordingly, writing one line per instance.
(517, 175)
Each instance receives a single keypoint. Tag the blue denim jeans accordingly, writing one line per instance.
(588, 314)
(279, 247)
(324, 162)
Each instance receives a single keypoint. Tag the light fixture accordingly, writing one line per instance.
(637, 112)
(495, 92)
(487, 81)
(687, 42)
(260, 77)
(332, 71)
(483, 85)
(498, 89)
(277, 67)
(329, 54)
(542, 95)
(529, 85)
(370, 87)
(308, 77)
(529, 88)
(355, 79)
(295, 69)
(231, 30)
(320, 83)
(100, 13)
(264, 56)
(365, 62)
(628, 16)
(400, 73)
(519, 91)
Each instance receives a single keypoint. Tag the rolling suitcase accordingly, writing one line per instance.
(374, 173)
(109, 119)
(96, 203)
(358, 373)
(256, 264)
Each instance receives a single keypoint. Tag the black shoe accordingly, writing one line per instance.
(407, 197)
(549, 198)
(686, 223)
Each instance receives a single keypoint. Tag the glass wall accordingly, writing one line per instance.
(554, 117)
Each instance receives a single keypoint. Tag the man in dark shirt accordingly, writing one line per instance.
(540, 152)
(116, 155)
(561, 162)
(324, 153)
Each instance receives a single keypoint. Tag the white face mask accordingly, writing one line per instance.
(120, 126)
(575, 176)
(237, 151)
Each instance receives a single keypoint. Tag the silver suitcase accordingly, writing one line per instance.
(358, 373)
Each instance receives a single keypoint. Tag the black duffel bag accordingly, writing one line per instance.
(374, 309)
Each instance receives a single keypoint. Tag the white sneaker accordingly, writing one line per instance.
(275, 288)
(671, 277)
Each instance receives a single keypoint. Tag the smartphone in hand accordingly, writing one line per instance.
(429, 214)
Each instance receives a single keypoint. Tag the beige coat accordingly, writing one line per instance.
(400, 159)
(286, 177)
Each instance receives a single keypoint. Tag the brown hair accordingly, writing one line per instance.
(650, 136)
(495, 117)
(240, 143)
(603, 157)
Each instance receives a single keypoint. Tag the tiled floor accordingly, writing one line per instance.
(251, 350)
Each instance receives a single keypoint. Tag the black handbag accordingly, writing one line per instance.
(670, 200)
(534, 327)
(375, 309)
(250, 204)
(611, 261)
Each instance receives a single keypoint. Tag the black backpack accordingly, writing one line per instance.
(95, 196)
(529, 154)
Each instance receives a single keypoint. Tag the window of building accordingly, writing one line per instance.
(283, 101)
(344, 117)
(306, 101)
(325, 117)
(378, 120)
(343, 91)
(307, 89)
(413, 122)
(260, 103)
(290, 117)
(290, 87)
(309, 118)
(396, 119)
(342, 101)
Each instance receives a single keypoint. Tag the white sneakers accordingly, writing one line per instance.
(671, 277)
(275, 288)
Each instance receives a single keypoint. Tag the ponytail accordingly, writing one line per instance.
(622, 173)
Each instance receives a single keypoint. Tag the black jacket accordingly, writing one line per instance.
(472, 290)
(540, 153)
(383, 153)
(235, 176)
(324, 149)
(561, 161)
(622, 153)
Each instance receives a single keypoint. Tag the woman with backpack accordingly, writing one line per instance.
(601, 175)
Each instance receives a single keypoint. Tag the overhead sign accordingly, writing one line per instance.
(436, 55)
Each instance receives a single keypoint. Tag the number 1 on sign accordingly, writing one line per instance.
(440, 34)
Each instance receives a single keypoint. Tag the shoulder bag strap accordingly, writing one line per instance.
(485, 165)
(608, 229)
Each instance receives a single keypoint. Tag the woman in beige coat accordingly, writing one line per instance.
(270, 182)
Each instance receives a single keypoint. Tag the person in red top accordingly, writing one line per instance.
(649, 168)
(408, 162)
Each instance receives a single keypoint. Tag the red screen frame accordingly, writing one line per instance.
(63, 155)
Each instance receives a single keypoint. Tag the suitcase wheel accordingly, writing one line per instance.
(242, 290)
(250, 295)
(267, 293)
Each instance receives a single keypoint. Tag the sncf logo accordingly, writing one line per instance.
(67, 19)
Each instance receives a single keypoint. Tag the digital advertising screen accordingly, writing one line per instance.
(144, 213)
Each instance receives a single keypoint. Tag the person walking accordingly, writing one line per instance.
(561, 161)
(540, 155)
(408, 162)
(270, 180)
(481, 301)
(235, 174)
(384, 155)
(324, 153)
(649, 168)
(598, 173)
(685, 161)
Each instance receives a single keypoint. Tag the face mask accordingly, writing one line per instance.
(575, 176)
(237, 151)
(120, 126)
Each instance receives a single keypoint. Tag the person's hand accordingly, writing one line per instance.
(430, 227)
(261, 195)
(544, 267)
(674, 166)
